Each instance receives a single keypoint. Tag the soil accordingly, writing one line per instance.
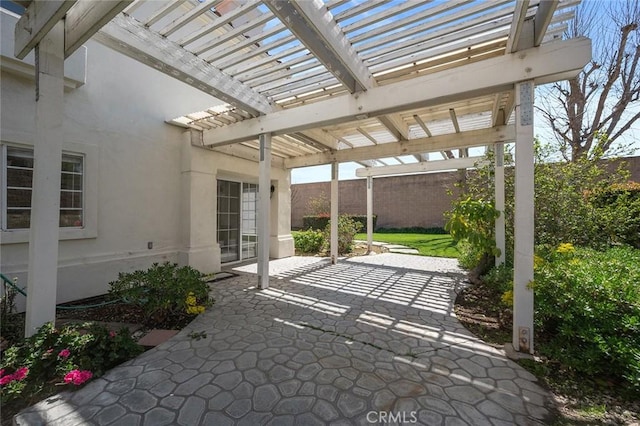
(578, 401)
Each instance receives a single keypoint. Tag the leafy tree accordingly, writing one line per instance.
(589, 113)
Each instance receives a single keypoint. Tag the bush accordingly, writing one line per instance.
(347, 229)
(618, 209)
(11, 323)
(315, 222)
(473, 221)
(308, 241)
(163, 290)
(588, 305)
(70, 356)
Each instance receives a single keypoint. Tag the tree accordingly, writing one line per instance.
(588, 114)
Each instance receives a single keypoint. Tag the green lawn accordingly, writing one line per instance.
(438, 245)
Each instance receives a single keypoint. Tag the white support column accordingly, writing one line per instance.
(264, 209)
(45, 199)
(334, 213)
(524, 231)
(499, 196)
(369, 213)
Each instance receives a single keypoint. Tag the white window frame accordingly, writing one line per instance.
(88, 229)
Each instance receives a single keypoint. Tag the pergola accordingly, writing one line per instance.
(397, 83)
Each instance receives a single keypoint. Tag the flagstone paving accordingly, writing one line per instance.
(371, 340)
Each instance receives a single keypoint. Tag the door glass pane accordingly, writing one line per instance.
(249, 221)
(228, 220)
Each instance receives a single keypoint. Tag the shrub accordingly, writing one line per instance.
(52, 358)
(473, 221)
(308, 241)
(347, 229)
(315, 222)
(163, 290)
(588, 305)
(618, 209)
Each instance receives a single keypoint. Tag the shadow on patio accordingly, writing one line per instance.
(366, 341)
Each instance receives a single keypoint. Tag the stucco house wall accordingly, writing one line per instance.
(150, 196)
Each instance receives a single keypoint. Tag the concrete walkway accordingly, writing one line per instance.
(371, 340)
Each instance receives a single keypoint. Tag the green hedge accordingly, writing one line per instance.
(588, 310)
(412, 230)
(308, 242)
(321, 221)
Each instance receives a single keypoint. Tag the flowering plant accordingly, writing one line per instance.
(52, 357)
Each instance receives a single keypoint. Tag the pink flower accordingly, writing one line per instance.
(64, 353)
(77, 377)
(112, 334)
(20, 373)
(1, 372)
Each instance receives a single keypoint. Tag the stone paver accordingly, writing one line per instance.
(368, 339)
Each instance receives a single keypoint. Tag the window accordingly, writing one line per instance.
(18, 175)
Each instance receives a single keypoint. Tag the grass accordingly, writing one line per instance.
(438, 245)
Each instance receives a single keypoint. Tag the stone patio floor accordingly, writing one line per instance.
(371, 340)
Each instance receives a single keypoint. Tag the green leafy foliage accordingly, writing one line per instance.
(471, 222)
(347, 229)
(162, 290)
(320, 221)
(618, 210)
(45, 358)
(308, 242)
(587, 306)
(412, 230)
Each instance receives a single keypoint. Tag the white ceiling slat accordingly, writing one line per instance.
(163, 12)
(414, 146)
(422, 167)
(519, 14)
(130, 37)
(367, 135)
(544, 14)
(237, 32)
(244, 57)
(384, 14)
(284, 70)
(220, 22)
(422, 125)
(395, 126)
(454, 119)
(303, 87)
(541, 65)
(184, 19)
(444, 41)
(315, 27)
(430, 35)
(406, 22)
(247, 43)
(295, 80)
(331, 4)
(250, 72)
(357, 10)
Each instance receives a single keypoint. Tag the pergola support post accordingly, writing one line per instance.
(369, 213)
(264, 207)
(523, 221)
(42, 279)
(334, 213)
(499, 202)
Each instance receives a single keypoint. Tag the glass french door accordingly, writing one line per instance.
(237, 220)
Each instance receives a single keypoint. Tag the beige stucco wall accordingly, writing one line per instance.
(138, 187)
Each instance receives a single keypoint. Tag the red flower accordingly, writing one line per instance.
(64, 353)
(77, 377)
(20, 373)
